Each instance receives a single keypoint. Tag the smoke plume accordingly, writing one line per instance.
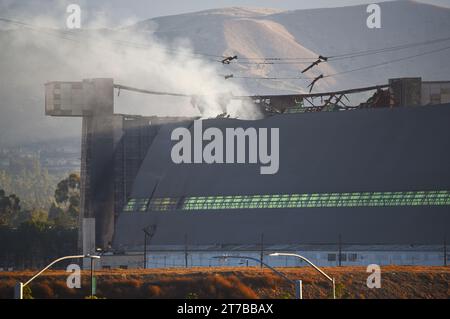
(31, 57)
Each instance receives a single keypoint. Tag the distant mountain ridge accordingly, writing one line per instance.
(259, 33)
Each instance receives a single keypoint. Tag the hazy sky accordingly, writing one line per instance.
(120, 11)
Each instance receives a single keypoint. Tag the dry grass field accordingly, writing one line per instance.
(252, 282)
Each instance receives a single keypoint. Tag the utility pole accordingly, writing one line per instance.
(145, 249)
(445, 251)
(340, 251)
(92, 278)
(185, 251)
(149, 232)
(262, 251)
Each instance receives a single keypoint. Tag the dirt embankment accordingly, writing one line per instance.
(396, 282)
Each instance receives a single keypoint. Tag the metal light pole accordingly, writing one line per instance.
(18, 291)
(92, 277)
(262, 250)
(298, 289)
(297, 284)
(145, 248)
(445, 252)
(149, 231)
(314, 266)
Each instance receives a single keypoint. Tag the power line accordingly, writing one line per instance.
(259, 60)
(75, 36)
(361, 68)
(275, 59)
(69, 35)
(274, 63)
(44, 31)
(269, 78)
(388, 62)
(388, 49)
(242, 60)
(337, 57)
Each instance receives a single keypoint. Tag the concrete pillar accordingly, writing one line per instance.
(97, 167)
(93, 100)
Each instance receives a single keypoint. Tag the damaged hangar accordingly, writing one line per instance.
(369, 184)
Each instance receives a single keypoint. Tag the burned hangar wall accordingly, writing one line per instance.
(370, 150)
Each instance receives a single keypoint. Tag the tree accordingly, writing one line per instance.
(9, 208)
(66, 206)
(29, 238)
(33, 184)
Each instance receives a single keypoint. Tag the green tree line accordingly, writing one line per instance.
(32, 183)
(30, 238)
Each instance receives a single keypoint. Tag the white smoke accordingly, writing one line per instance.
(32, 57)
